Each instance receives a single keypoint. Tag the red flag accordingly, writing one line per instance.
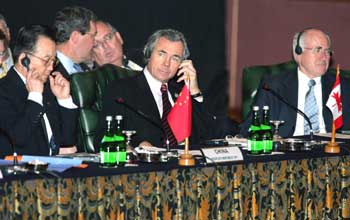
(334, 103)
(180, 116)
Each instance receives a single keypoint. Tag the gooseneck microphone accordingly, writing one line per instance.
(279, 97)
(139, 112)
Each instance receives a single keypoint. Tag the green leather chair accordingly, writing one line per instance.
(87, 90)
(253, 74)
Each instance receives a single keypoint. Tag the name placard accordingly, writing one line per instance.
(222, 154)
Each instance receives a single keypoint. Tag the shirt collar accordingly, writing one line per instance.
(153, 83)
(303, 78)
(66, 62)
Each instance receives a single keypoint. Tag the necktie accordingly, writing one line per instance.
(77, 68)
(166, 109)
(3, 71)
(311, 109)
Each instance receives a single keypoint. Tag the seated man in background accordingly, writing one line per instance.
(37, 116)
(109, 47)
(307, 88)
(6, 60)
(75, 30)
(166, 54)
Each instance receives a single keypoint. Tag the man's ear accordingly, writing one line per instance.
(119, 37)
(75, 36)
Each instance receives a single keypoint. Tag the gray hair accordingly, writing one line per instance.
(169, 34)
(302, 35)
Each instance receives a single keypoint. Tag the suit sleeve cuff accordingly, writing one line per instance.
(67, 103)
(36, 97)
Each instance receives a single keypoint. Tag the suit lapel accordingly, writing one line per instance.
(147, 103)
(327, 85)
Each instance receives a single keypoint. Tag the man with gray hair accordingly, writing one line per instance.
(75, 30)
(306, 88)
(151, 93)
(108, 47)
(6, 60)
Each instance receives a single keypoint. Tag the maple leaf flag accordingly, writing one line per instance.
(180, 116)
(334, 103)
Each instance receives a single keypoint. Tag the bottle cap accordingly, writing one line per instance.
(109, 118)
(118, 117)
(266, 107)
(255, 108)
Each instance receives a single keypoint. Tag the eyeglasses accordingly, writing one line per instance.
(106, 39)
(51, 61)
(319, 50)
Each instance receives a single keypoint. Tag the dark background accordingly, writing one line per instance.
(202, 23)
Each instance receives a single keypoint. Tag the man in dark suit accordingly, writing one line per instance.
(75, 30)
(166, 54)
(37, 115)
(312, 52)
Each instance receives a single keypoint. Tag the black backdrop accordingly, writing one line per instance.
(201, 21)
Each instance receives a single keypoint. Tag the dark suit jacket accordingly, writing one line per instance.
(60, 68)
(286, 85)
(21, 119)
(137, 93)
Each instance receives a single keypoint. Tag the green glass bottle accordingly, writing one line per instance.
(108, 153)
(120, 141)
(266, 132)
(254, 138)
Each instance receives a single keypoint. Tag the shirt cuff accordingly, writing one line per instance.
(36, 97)
(67, 103)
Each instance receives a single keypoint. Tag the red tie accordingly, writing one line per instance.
(166, 109)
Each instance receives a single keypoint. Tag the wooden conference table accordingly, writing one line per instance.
(298, 185)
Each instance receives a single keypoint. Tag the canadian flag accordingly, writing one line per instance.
(334, 103)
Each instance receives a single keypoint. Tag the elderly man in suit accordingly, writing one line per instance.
(306, 88)
(154, 90)
(37, 113)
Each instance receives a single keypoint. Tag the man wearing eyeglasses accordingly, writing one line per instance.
(307, 88)
(6, 60)
(37, 114)
(75, 36)
(108, 48)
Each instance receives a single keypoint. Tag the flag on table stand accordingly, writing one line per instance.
(180, 116)
(334, 103)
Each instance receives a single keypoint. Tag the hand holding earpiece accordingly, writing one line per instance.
(34, 83)
(188, 72)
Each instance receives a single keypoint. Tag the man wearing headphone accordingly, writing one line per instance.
(167, 66)
(307, 88)
(37, 114)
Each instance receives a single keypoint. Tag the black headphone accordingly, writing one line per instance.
(298, 50)
(25, 61)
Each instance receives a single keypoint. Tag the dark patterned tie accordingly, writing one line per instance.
(166, 109)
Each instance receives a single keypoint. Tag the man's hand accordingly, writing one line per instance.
(188, 72)
(34, 83)
(60, 87)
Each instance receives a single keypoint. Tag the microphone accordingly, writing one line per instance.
(279, 97)
(138, 112)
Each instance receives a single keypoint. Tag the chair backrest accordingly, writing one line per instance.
(251, 79)
(87, 91)
(252, 76)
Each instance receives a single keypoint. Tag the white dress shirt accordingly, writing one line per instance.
(67, 62)
(303, 87)
(155, 85)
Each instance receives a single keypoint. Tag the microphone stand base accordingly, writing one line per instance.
(186, 160)
(332, 147)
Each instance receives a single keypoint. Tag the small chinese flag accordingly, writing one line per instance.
(180, 116)
(334, 102)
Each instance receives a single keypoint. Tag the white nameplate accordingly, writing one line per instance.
(222, 154)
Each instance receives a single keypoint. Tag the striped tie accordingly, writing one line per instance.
(311, 109)
(166, 109)
(3, 71)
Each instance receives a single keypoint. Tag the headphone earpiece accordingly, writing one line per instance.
(298, 50)
(25, 61)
